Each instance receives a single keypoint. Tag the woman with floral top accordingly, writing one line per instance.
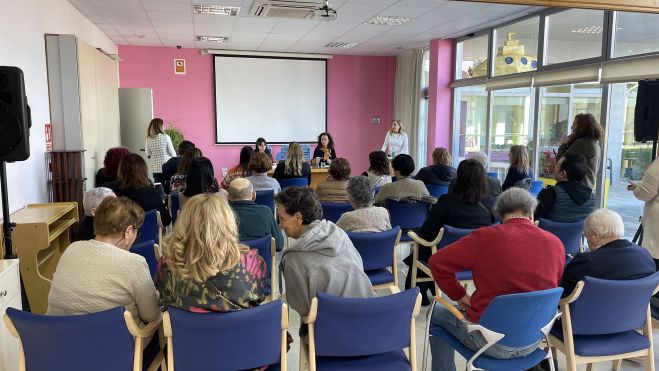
(203, 267)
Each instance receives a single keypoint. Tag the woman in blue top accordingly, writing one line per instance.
(519, 169)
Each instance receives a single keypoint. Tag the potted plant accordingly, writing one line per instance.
(175, 133)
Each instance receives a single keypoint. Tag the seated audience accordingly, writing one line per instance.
(379, 171)
(101, 274)
(242, 169)
(570, 199)
(262, 147)
(170, 168)
(203, 267)
(324, 152)
(259, 165)
(611, 257)
(365, 217)
(441, 171)
(90, 201)
(465, 207)
(133, 182)
(512, 257)
(404, 186)
(200, 179)
(107, 175)
(334, 188)
(519, 172)
(322, 258)
(493, 184)
(254, 221)
(177, 182)
(294, 165)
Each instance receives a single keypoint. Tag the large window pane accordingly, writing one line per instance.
(470, 120)
(471, 57)
(635, 33)
(573, 35)
(516, 47)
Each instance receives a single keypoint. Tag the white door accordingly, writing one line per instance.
(135, 111)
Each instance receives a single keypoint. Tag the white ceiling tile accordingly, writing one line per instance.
(282, 37)
(175, 36)
(121, 13)
(294, 25)
(405, 11)
(78, 3)
(174, 24)
(356, 12)
(173, 42)
(223, 29)
(120, 22)
(117, 4)
(140, 35)
(169, 16)
(167, 6)
(211, 45)
(173, 31)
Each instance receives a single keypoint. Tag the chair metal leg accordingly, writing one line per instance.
(589, 367)
(617, 365)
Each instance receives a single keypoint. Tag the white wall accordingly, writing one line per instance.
(23, 24)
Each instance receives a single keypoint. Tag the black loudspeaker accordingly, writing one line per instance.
(15, 118)
(646, 114)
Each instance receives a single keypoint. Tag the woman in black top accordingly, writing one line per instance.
(441, 171)
(294, 165)
(262, 146)
(519, 169)
(324, 149)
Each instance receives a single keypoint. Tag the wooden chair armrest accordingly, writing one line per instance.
(148, 330)
(10, 326)
(393, 289)
(423, 242)
(451, 308)
(313, 311)
(574, 295)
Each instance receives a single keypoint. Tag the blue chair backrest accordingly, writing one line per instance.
(437, 190)
(266, 198)
(407, 215)
(97, 341)
(293, 182)
(354, 327)
(375, 248)
(332, 211)
(145, 249)
(175, 205)
(569, 233)
(149, 230)
(601, 300)
(536, 187)
(240, 340)
(306, 151)
(452, 234)
(376, 190)
(522, 316)
(493, 174)
(263, 245)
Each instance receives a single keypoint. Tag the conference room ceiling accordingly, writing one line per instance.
(172, 23)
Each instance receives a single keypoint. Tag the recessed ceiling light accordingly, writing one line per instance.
(213, 39)
(216, 9)
(388, 20)
(341, 44)
(589, 30)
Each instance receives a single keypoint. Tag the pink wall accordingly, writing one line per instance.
(440, 95)
(358, 88)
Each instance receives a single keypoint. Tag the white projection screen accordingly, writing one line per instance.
(279, 99)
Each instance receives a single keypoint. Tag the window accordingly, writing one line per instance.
(516, 47)
(470, 121)
(635, 33)
(574, 35)
(422, 148)
(471, 57)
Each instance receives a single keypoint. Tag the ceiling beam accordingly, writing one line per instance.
(648, 6)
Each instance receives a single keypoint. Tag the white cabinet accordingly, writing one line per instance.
(10, 296)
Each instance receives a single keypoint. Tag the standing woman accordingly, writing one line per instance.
(325, 149)
(158, 148)
(586, 138)
(396, 140)
(519, 169)
(647, 189)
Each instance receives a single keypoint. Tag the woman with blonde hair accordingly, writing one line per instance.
(294, 165)
(520, 168)
(396, 140)
(204, 268)
(158, 147)
(586, 139)
(441, 171)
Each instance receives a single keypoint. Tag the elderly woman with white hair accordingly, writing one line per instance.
(365, 217)
(493, 184)
(611, 257)
(90, 201)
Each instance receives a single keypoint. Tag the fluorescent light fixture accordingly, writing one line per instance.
(589, 30)
(216, 9)
(341, 44)
(213, 39)
(388, 20)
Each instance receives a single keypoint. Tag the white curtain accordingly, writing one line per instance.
(409, 72)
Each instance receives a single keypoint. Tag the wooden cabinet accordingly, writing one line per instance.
(10, 296)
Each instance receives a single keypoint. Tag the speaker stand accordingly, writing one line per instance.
(7, 225)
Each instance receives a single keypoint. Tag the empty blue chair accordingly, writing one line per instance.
(239, 340)
(536, 187)
(514, 320)
(361, 334)
(266, 198)
(407, 215)
(332, 211)
(267, 249)
(437, 190)
(104, 341)
(174, 205)
(601, 318)
(378, 253)
(293, 182)
(569, 233)
(148, 250)
(151, 230)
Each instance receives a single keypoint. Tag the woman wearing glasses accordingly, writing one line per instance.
(101, 274)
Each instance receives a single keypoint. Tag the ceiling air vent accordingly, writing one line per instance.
(284, 8)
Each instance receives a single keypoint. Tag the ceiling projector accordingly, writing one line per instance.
(324, 13)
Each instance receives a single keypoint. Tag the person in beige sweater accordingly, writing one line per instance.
(365, 217)
(404, 186)
(647, 189)
(334, 188)
(101, 274)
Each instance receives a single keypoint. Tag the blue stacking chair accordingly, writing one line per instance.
(601, 318)
(332, 211)
(569, 233)
(152, 228)
(150, 252)
(294, 182)
(266, 198)
(239, 340)
(437, 190)
(266, 247)
(514, 320)
(536, 187)
(407, 215)
(361, 334)
(104, 341)
(174, 205)
(378, 253)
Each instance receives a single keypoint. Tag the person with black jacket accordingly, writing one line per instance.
(170, 168)
(441, 171)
